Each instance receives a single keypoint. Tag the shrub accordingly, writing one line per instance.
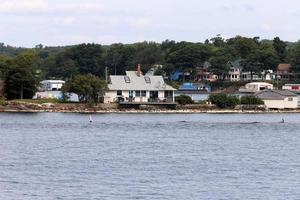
(224, 100)
(2, 101)
(251, 100)
(184, 99)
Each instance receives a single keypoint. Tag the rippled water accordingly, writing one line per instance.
(140, 156)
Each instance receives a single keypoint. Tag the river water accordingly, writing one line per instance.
(149, 156)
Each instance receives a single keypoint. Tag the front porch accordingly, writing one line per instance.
(139, 105)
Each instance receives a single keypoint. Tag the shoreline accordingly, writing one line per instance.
(25, 107)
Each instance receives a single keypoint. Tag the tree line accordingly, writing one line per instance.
(23, 68)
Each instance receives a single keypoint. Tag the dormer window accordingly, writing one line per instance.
(127, 79)
(147, 79)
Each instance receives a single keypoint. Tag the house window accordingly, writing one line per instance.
(168, 94)
(143, 92)
(127, 79)
(130, 93)
(147, 79)
(290, 99)
(137, 93)
(119, 92)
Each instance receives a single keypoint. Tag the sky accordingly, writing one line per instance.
(27, 23)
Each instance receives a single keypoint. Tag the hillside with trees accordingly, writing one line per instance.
(23, 68)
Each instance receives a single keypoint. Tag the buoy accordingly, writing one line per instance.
(91, 120)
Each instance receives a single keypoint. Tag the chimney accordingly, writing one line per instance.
(138, 70)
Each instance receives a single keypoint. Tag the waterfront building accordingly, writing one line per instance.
(284, 72)
(278, 99)
(255, 87)
(51, 85)
(136, 87)
(203, 74)
(292, 87)
(234, 74)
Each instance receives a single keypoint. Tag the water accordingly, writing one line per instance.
(140, 156)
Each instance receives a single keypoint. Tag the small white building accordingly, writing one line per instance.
(292, 87)
(255, 87)
(52, 85)
(278, 99)
(135, 87)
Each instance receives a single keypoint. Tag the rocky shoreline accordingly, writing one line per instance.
(26, 107)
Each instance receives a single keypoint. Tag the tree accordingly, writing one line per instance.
(219, 61)
(280, 48)
(79, 59)
(190, 56)
(224, 100)
(21, 79)
(218, 41)
(89, 88)
(251, 100)
(294, 58)
(116, 58)
(4, 66)
(147, 54)
(242, 47)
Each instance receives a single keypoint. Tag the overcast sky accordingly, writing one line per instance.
(63, 22)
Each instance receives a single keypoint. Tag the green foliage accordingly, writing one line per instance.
(280, 48)
(191, 55)
(68, 61)
(294, 57)
(2, 101)
(174, 84)
(184, 99)
(251, 100)
(224, 100)
(21, 78)
(89, 88)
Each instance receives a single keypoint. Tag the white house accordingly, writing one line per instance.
(135, 87)
(255, 87)
(234, 74)
(278, 99)
(52, 85)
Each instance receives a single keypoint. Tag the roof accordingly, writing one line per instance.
(259, 83)
(136, 82)
(193, 86)
(283, 67)
(274, 94)
(53, 81)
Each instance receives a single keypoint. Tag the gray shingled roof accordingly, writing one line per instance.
(274, 94)
(137, 82)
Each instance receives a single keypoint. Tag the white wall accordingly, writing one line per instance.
(281, 104)
(110, 96)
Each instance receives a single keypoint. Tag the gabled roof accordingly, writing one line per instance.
(135, 82)
(283, 67)
(274, 94)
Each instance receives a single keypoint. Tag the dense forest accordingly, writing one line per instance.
(26, 64)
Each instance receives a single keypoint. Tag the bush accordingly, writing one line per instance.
(2, 101)
(224, 100)
(184, 99)
(251, 100)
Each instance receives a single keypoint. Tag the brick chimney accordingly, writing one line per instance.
(138, 70)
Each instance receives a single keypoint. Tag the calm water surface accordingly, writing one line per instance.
(129, 156)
